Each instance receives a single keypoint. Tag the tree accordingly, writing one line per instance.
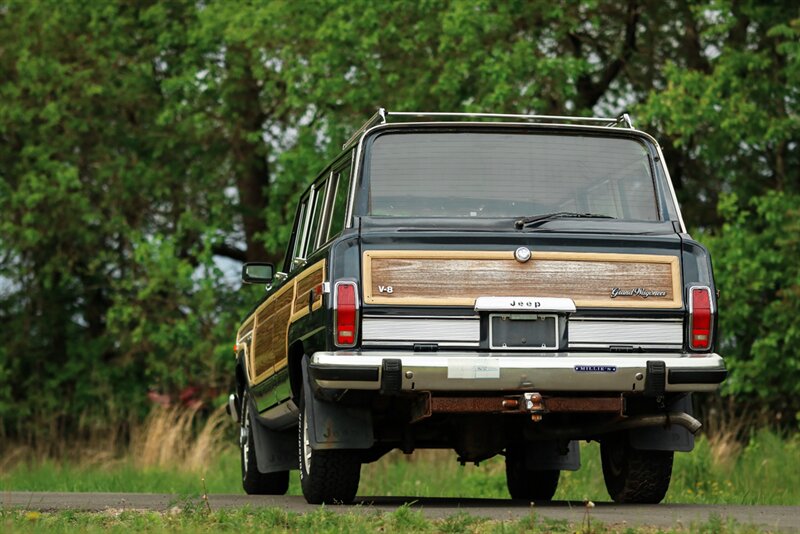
(141, 144)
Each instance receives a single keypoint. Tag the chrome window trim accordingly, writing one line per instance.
(323, 217)
(344, 163)
(317, 191)
(300, 254)
(664, 168)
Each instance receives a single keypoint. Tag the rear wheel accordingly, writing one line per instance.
(329, 476)
(529, 484)
(634, 476)
(255, 482)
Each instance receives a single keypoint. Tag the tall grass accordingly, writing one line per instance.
(175, 448)
(170, 452)
(168, 439)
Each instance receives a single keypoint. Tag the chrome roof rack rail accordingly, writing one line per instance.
(378, 118)
(383, 116)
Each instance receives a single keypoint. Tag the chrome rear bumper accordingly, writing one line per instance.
(503, 371)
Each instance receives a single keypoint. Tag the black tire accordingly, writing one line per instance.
(529, 484)
(326, 477)
(255, 482)
(634, 476)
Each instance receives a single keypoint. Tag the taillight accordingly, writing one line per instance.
(701, 318)
(345, 313)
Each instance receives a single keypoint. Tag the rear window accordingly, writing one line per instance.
(508, 175)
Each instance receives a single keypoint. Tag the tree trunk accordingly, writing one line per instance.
(248, 149)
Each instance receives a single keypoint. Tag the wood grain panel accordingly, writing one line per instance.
(246, 328)
(457, 278)
(272, 319)
(311, 278)
(272, 323)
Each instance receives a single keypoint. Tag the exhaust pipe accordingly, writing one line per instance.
(673, 418)
(232, 408)
(637, 421)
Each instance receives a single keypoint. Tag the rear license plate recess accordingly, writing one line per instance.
(523, 331)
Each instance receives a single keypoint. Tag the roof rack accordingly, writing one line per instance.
(382, 116)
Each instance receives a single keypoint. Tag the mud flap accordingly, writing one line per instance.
(545, 455)
(334, 426)
(275, 451)
(669, 438)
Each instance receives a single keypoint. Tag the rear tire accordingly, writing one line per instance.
(329, 476)
(529, 484)
(634, 476)
(255, 482)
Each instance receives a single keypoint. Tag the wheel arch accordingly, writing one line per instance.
(295, 359)
(241, 376)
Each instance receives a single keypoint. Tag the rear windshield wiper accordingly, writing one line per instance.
(535, 220)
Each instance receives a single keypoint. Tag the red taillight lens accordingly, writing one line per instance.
(700, 318)
(345, 312)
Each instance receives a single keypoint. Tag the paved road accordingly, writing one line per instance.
(664, 515)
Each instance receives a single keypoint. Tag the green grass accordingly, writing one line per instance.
(322, 521)
(766, 471)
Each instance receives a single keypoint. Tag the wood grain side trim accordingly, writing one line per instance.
(456, 278)
(308, 280)
(271, 321)
(269, 335)
(246, 329)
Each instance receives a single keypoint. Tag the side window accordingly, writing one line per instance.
(318, 207)
(300, 233)
(340, 181)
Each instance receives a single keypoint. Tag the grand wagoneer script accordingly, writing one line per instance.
(490, 284)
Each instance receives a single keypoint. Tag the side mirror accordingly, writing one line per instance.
(257, 273)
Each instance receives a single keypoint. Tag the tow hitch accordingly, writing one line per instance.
(534, 406)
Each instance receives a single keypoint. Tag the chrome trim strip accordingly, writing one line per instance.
(354, 181)
(436, 317)
(323, 221)
(645, 346)
(412, 343)
(420, 330)
(306, 222)
(638, 333)
(664, 168)
(515, 304)
(626, 319)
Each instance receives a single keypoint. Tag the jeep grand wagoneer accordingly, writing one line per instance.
(491, 284)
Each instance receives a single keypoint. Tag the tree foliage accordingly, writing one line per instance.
(756, 253)
(146, 145)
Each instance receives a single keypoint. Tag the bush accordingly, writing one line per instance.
(756, 262)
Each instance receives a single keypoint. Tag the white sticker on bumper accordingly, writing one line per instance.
(470, 368)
